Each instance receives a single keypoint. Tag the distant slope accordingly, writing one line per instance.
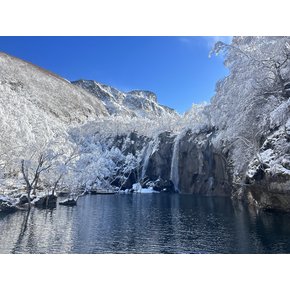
(137, 103)
(35, 103)
(49, 92)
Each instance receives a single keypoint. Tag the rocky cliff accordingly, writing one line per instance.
(190, 162)
(268, 174)
(137, 103)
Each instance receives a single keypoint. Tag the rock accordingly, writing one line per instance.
(7, 205)
(159, 163)
(201, 167)
(268, 188)
(23, 199)
(287, 128)
(63, 193)
(268, 177)
(270, 193)
(68, 202)
(136, 103)
(144, 182)
(163, 185)
(47, 201)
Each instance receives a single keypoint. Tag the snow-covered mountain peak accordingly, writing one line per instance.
(136, 103)
(144, 94)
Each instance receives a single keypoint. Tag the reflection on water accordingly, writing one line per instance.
(146, 223)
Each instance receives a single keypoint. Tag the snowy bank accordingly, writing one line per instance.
(138, 188)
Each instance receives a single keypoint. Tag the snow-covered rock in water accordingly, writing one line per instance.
(137, 103)
(68, 202)
(138, 188)
(163, 185)
(148, 190)
(7, 204)
(23, 199)
(46, 201)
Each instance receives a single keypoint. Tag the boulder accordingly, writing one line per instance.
(163, 185)
(7, 205)
(68, 202)
(46, 201)
(159, 163)
(23, 199)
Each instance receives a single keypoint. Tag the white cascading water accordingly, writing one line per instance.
(174, 174)
(147, 155)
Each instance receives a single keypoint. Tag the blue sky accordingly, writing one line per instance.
(177, 69)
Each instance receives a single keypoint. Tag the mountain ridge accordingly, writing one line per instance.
(135, 103)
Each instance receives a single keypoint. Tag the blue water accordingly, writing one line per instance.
(146, 223)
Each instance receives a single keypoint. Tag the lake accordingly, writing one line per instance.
(146, 223)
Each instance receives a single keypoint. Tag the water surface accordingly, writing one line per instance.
(146, 223)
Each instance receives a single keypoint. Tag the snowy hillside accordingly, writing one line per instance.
(36, 108)
(137, 103)
(35, 103)
(48, 92)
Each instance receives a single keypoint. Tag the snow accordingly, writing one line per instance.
(8, 199)
(138, 188)
(287, 127)
(267, 156)
(136, 103)
(35, 200)
(147, 190)
(279, 169)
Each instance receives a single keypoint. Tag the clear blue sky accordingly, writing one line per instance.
(177, 69)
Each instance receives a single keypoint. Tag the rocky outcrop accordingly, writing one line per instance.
(68, 202)
(201, 169)
(7, 205)
(159, 162)
(163, 185)
(268, 175)
(129, 144)
(46, 201)
(270, 192)
(136, 103)
(23, 199)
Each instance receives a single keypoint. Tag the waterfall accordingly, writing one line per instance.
(147, 155)
(174, 174)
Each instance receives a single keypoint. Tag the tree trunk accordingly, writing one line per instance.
(28, 185)
(35, 184)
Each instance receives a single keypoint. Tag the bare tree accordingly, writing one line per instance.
(43, 164)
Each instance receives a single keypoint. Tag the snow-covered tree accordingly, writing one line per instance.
(242, 108)
(267, 60)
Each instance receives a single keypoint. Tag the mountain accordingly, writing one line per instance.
(25, 84)
(37, 105)
(137, 103)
